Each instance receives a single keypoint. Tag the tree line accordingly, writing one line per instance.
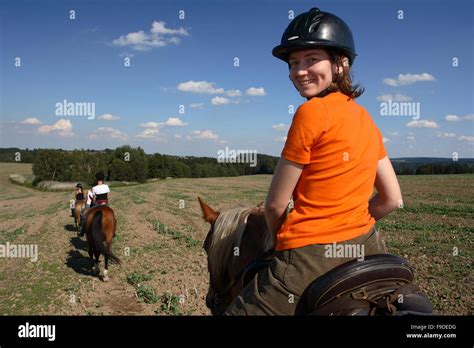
(126, 163)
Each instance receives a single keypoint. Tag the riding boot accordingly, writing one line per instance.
(72, 212)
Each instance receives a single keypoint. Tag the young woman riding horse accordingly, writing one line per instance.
(98, 195)
(99, 225)
(79, 204)
(332, 159)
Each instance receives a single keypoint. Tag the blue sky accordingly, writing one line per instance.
(190, 62)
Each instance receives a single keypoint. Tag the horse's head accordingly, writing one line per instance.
(236, 237)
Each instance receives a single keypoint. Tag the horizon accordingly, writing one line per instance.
(163, 76)
(215, 157)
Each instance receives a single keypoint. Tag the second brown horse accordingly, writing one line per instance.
(100, 227)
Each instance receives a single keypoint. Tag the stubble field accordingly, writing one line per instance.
(164, 269)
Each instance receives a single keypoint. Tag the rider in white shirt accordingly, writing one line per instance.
(99, 195)
(100, 191)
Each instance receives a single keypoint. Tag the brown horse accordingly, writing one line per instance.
(236, 238)
(100, 226)
(238, 243)
(78, 208)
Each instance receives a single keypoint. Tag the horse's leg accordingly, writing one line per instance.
(106, 269)
(91, 253)
(96, 263)
(76, 221)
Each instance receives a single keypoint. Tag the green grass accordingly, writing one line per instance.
(174, 195)
(137, 278)
(144, 188)
(169, 304)
(451, 210)
(137, 199)
(6, 236)
(55, 207)
(178, 236)
(406, 225)
(146, 293)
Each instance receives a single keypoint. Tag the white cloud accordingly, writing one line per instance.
(174, 122)
(159, 36)
(196, 105)
(469, 117)
(445, 135)
(466, 138)
(281, 127)
(233, 93)
(148, 133)
(109, 117)
(153, 134)
(200, 87)
(385, 140)
(259, 92)
(160, 28)
(170, 122)
(410, 137)
(205, 134)
(150, 125)
(397, 97)
(395, 134)
(63, 128)
(408, 79)
(281, 139)
(31, 121)
(454, 118)
(220, 101)
(104, 132)
(422, 124)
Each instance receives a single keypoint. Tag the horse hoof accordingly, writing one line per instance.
(106, 279)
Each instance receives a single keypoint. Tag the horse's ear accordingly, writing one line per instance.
(208, 213)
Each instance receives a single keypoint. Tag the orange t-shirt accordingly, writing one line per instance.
(340, 146)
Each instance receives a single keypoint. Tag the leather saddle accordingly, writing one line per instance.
(379, 285)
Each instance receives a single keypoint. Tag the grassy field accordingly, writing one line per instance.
(164, 268)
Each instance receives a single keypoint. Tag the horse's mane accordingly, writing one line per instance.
(229, 228)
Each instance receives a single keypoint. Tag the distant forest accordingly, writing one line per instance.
(126, 163)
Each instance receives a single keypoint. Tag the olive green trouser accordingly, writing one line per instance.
(277, 289)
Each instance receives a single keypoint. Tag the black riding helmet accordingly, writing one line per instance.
(316, 29)
(100, 176)
(79, 185)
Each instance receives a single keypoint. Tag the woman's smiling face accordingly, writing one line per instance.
(311, 71)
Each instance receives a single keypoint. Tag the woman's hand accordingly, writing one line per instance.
(285, 178)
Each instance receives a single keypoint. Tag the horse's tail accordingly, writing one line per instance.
(98, 237)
